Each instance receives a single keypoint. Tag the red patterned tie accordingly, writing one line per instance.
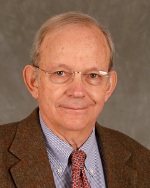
(79, 178)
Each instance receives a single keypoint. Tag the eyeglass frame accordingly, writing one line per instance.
(72, 74)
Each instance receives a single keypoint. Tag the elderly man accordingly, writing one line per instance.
(60, 144)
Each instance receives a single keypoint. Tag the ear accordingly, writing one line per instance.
(30, 80)
(111, 84)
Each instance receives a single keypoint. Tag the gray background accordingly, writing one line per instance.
(129, 22)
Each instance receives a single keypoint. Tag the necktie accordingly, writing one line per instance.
(79, 178)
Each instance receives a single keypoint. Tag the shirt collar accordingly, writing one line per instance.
(59, 150)
(90, 148)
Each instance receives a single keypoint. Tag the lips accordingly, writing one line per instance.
(73, 110)
(76, 106)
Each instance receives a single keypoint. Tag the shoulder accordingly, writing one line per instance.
(7, 132)
(7, 129)
(121, 140)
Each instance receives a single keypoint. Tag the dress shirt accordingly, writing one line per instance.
(59, 152)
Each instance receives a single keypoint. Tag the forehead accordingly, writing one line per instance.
(87, 30)
(75, 41)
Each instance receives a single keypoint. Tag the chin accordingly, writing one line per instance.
(76, 124)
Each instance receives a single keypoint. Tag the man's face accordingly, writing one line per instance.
(72, 106)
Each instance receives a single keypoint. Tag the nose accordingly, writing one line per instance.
(76, 88)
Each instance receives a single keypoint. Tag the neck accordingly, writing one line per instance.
(74, 138)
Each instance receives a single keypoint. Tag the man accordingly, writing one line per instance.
(71, 76)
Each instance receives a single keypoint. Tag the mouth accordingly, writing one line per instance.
(74, 109)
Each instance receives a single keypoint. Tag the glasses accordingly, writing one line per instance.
(65, 76)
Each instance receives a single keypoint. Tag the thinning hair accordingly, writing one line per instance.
(62, 20)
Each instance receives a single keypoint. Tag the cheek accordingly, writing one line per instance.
(49, 94)
(98, 95)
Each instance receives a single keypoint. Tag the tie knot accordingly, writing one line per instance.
(78, 159)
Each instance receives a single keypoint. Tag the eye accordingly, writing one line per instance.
(93, 75)
(60, 73)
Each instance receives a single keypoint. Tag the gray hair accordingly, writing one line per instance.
(64, 19)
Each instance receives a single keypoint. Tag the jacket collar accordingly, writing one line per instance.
(117, 161)
(32, 168)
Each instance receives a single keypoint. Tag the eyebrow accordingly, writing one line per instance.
(62, 65)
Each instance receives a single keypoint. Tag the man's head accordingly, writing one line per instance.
(62, 20)
(72, 74)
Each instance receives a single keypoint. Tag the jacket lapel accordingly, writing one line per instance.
(117, 161)
(33, 168)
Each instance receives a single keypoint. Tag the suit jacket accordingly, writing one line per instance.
(24, 162)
